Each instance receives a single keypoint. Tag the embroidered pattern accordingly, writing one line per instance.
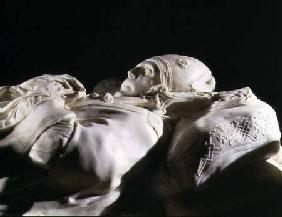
(243, 131)
(211, 148)
(183, 64)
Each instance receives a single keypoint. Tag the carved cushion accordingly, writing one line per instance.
(228, 134)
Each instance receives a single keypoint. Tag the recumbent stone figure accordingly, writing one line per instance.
(83, 144)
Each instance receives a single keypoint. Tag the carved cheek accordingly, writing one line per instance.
(147, 81)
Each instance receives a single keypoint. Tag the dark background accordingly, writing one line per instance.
(92, 40)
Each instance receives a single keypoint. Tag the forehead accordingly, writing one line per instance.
(146, 65)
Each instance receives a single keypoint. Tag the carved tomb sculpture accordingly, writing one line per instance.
(77, 148)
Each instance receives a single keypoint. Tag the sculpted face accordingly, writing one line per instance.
(140, 79)
(174, 73)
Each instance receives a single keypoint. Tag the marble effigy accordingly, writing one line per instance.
(83, 145)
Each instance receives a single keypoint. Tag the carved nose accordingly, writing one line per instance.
(125, 85)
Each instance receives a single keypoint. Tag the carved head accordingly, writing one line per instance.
(173, 72)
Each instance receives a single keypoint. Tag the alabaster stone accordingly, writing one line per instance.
(84, 147)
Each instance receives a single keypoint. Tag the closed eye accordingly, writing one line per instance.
(131, 75)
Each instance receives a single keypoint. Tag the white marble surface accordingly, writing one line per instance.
(88, 142)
